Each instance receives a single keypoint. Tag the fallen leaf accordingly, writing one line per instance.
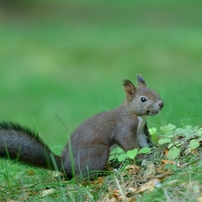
(110, 200)
(132, 169)
(99, 181)
(132, 190)
(165, 161)
(150, 169)
(166, 152)
(194, 151)
(149, 186)
(114, 195)
(31, 172)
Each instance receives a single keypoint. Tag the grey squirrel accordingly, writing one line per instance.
(90, 144)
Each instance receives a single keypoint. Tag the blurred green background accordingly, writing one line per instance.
(63, 61)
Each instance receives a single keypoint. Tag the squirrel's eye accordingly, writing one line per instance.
(143, 99)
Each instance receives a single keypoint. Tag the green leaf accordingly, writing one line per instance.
(144, 150)
(168, 128)
(199, 131)
(164, 141)
(179, 131)
(117, 151)
(194, 144)
(132, 153)
(152, 131)
(170, 145)
(122, 157)
(188, 127)
(173, 153)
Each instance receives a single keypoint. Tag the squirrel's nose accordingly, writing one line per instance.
(161, 104)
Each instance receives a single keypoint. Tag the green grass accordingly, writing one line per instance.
(68, 60)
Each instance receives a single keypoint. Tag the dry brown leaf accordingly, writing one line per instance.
(194, 151)
(166, 152)
(149, 186)
(191, 151)
(31, 172)
(99, 181)
(132, 190)
(132, 169)
(131, 200)
(116, 195)
(165, 161)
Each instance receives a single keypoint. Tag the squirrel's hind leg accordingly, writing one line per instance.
(91, 159)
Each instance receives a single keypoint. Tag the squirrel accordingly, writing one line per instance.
(89, 146)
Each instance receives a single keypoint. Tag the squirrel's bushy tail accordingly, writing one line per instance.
(23, 145)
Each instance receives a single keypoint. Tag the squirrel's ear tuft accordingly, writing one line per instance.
(129, 89)
(141, 80)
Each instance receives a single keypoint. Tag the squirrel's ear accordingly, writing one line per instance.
(129, 89)
(141, 80)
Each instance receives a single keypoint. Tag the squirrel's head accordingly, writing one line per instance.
(142, 100)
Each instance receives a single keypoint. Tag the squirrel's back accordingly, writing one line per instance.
(106, 125)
